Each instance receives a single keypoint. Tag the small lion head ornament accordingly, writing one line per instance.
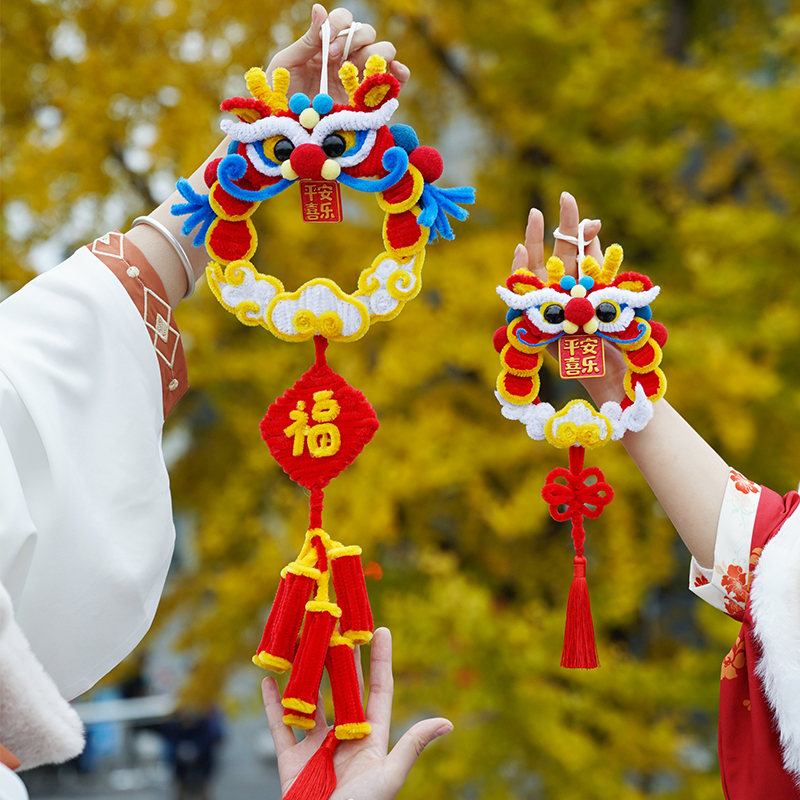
(578, 315)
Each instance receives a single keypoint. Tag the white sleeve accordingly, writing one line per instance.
(726, 585)
(87, 531)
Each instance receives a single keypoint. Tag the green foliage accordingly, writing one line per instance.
(676, 123)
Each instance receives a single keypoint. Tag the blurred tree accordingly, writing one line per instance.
(673, 120)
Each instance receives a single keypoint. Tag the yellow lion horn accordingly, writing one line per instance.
(611, 263)
(375, 65)
(280, 86)
(257, 84)
(590, 267)
(348, 75)
(555, 270)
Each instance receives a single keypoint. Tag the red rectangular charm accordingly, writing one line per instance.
(581, 357)
(322, 201)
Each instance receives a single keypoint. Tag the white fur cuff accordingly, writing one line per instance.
(775, 604)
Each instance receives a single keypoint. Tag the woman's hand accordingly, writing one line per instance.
(530, 256)
(303, 59)
(364, 768)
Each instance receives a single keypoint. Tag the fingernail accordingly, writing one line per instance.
(566, 196)
(443, 731)
(402, 69)
(336, 50)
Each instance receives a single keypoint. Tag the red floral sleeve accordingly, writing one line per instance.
(727, 584)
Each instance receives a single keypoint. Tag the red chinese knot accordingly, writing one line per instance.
(317, 428)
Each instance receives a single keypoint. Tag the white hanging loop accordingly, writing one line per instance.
(579, 241)
(351, 31)
(326, 48)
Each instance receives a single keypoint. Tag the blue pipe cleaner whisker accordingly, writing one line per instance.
(198, 207)
(437, 202)
(234, 167)
(395, 159)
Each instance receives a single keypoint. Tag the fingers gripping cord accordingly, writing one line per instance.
(579, 241)
(326, 46)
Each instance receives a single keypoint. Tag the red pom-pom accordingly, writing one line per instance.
(307, 161)
(658, 332)
(210, 174)
(428, 161)
(579, 310)
(501, 338)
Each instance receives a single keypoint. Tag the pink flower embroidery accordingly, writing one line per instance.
(742, 484)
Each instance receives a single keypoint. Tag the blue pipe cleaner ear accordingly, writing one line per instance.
(405, 136)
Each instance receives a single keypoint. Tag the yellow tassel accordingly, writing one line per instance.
(272, 663)
(376, 65)
(611, 263)
(348, 75)
(337, 639)
(555, 270)
(353, 730)
(257, 84)
(295, 704)
(358, 637)
(298, 722)
(324, 605)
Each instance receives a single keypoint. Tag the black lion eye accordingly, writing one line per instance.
(334, 145)
(283, 149)
(554, 314)
(606, 312)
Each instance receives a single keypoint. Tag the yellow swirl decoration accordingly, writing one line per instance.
(568, 434)
(401, 284)
(563, 432)
(305, 322)
(329, 324)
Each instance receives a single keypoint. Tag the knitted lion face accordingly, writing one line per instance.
(604, 303)
(296, 137)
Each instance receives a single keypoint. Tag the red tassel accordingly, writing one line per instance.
(317, 780)
(580, 650)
